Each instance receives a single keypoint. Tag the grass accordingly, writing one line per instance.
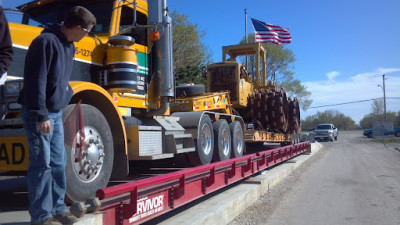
(386, 140)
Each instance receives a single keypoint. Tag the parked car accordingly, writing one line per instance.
(369, 132)
(326, 132)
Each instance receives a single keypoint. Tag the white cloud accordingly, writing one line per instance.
(332, 75)
(359, 87)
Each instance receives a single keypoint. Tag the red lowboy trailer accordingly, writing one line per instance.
(140, 201)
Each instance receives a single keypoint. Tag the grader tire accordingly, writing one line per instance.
(264, 111)
(294, 116)
(297, 116)
(185, 90)
(255, 106)
(281, 110)
(271, 111)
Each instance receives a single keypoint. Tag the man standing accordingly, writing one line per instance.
(6, 53)
(48, 67)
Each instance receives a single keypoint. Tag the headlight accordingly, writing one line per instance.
(12, 87)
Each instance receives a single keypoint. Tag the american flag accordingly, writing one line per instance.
(270, 33)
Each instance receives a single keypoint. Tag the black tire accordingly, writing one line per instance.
(184, 90)
(237, 136)
(222, 138)
(82, 181)
(397, 134)
(369, 135)
(204, 143)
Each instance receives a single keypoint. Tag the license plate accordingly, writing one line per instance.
(14, 154)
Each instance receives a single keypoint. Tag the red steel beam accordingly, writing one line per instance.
(154, 196)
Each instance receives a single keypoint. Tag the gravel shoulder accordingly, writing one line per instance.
(352, 181)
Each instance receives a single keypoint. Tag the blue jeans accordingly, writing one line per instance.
(46, 171)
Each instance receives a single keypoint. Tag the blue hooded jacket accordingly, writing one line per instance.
(48, 67)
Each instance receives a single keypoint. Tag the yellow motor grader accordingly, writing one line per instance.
(268, 114)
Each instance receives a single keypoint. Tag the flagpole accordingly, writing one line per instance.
(245, 24)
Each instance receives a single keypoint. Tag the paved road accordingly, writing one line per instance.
(349, 181)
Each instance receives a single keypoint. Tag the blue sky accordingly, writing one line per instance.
(342, 47)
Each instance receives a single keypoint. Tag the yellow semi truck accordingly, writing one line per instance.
(123, 77)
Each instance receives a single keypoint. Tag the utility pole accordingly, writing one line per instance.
(384, 97)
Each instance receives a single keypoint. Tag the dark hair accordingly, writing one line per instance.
(79, 16)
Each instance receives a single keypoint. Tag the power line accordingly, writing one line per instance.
(345, 103)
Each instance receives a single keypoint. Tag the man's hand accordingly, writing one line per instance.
(44, 127)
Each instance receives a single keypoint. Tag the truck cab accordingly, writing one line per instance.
(122, 79)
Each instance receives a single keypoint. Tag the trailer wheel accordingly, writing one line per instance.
(93, 169)
(222, 138)
(204, 143)
(237, 137)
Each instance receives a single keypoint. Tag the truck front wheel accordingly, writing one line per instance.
(89, 169)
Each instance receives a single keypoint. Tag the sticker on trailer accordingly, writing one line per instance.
(148, 206)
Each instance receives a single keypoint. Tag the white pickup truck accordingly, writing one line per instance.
(326, 131)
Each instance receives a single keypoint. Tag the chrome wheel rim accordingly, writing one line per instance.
(205, 136)
(226, 141)
(239, 139)
(90, 161)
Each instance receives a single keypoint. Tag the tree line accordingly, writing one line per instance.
(341, 121)
(346, 123)
(377, 114)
